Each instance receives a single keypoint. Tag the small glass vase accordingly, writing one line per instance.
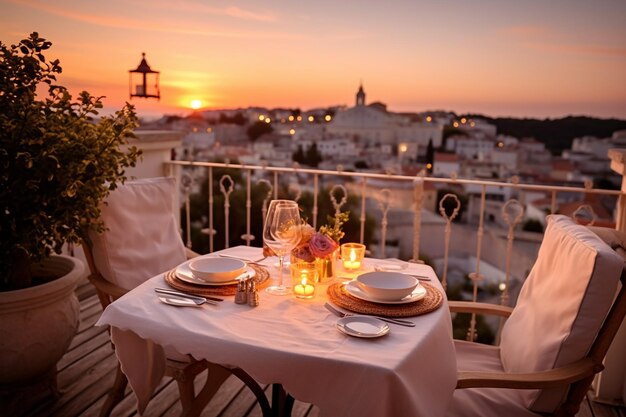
(326, 267)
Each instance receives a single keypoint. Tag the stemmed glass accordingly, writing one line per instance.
(281, 233)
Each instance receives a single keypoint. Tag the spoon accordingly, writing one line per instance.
(178, 302)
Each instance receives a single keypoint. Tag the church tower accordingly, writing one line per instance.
(360, 96)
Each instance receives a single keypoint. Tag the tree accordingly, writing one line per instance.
(298, 155)
(361, 164)
(258, 129)
(533, 225)
(313, 157)
(239, 119)
(430, 156)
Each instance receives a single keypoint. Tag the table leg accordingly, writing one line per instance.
(282, 402)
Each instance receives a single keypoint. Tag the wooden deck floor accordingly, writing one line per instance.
(87, 370)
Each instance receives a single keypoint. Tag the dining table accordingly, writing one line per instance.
(294, 343)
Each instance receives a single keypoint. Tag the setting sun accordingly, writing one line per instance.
(196, 104)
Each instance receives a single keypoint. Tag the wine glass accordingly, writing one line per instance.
(281, 233)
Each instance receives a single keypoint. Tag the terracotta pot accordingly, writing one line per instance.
(38, 323)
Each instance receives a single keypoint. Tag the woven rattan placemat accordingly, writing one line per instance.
(339, 296)
(261, 279)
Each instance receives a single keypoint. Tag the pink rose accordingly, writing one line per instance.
(303, 252)
(322, 246)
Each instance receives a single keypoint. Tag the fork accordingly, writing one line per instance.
(340, 313)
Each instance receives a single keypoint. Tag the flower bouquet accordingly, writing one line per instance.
(321, 247)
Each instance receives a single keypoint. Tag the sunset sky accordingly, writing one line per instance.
(530, 58)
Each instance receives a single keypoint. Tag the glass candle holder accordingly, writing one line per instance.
(352, 255)
(303, 277)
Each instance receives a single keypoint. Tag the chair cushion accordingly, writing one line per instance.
(561, 305)
(142, 238)
(479, 402)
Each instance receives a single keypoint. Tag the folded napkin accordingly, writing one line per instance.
(245, 253)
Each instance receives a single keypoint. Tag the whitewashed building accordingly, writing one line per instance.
(373, 125)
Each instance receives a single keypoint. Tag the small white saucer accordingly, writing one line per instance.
(184, 274)
(362, 326)
(353, 289)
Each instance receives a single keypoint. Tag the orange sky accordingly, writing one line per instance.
(501, 58)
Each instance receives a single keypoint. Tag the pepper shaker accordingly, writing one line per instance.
(241, 297)
(253, 294)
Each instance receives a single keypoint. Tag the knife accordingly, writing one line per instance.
(185, 295)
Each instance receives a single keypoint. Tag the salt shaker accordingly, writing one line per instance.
(241, 297)
(253, 294)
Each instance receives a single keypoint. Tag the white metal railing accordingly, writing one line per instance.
(271, 177)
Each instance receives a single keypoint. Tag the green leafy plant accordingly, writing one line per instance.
(57, 163)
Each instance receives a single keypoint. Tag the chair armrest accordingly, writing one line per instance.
(191, 254)
(479, 308)
(106, 287)
(557, 377)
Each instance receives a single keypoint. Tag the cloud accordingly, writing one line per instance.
(544, 39)
(167, 25)
(582, 49)
(202, 8)
(525, 31)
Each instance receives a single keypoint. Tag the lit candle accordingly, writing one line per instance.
(352, 262)
(352, 255)
(304, 289)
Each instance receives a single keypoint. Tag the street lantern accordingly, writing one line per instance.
(143, 81)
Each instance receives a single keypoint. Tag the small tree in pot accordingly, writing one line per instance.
(57, 164)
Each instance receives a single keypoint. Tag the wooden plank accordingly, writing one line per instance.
(89, 317)
(86, 335)
(227, 394)
(83, 350)
(84, 290)
(85, 395)
(78, 396)
(601, 410)
(128, 406)
(245, 403)
(76, 371)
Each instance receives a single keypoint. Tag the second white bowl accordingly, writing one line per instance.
(387, 286)
(217, 269)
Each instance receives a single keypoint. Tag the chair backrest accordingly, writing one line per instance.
(561, 307)
(142, 238)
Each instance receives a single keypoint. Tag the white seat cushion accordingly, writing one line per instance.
(481, 402)
(142, 238)
(561, 306)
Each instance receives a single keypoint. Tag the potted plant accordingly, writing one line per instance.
(57, 164)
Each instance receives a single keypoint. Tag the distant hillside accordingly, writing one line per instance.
(557, 134)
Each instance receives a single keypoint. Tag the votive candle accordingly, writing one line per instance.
(352, 255)
(303, 275)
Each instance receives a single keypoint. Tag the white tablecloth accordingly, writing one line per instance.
(410, 371)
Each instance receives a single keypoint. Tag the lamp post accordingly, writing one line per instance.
(143, 81)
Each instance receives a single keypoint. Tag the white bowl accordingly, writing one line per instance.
(217, 269)
(387, 286)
